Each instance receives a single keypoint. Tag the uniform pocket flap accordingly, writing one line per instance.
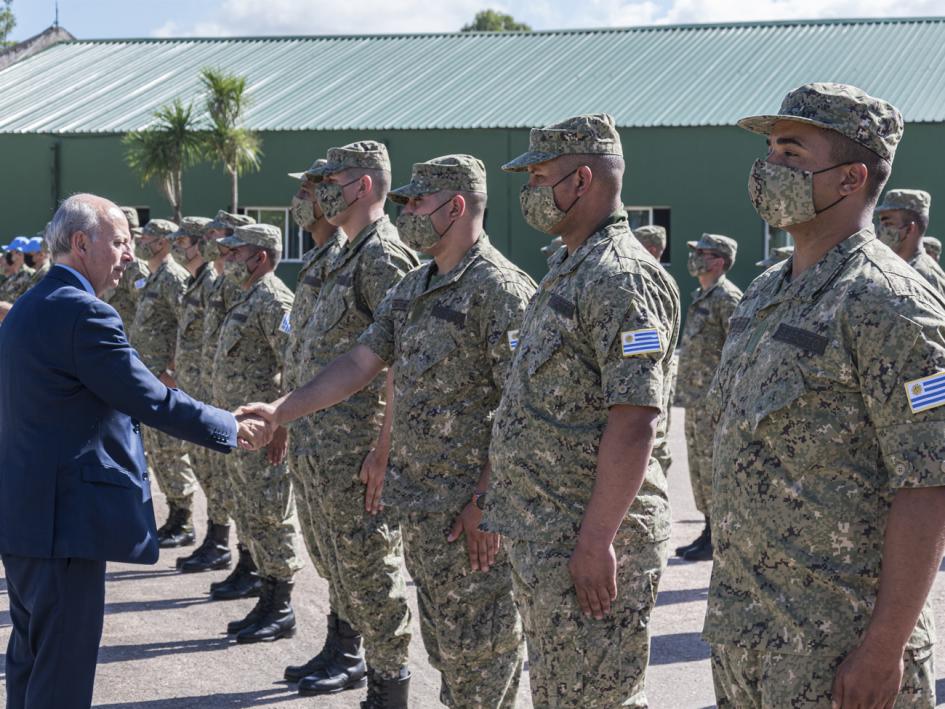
(776, 395)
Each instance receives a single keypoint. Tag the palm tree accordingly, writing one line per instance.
(162, 151)
(228, 143)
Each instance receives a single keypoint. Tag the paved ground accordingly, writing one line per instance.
(165, 646)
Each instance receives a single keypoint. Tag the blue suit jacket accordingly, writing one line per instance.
(73, 394)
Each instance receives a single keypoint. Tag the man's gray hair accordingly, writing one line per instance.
(76, 213)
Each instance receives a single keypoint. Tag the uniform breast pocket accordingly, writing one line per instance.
(330, 311)
(230, 340)
(772, 400)
(541, 352)
(434, 353)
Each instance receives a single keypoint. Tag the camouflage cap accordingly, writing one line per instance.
(365, 154)
(917, 201)
(159, 227)
(776, 255)
(651, 235)
(460, 173)
(593, 134)
(192, 226)
(265, 236)
(932, 245)
(872, 122)
(724, 245)
(226, 220)
(131, 214)
(315, 166)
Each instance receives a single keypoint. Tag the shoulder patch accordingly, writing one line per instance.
(513, 340)
(139, 284)
(637, 342)
(926, 393)
(286, 324)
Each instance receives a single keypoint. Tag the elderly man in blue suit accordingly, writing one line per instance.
(74, 487)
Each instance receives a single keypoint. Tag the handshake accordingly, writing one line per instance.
(258, 428)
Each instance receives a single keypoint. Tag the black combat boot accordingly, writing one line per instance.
(701, 551)
(178, 530)
(387, 693)
(345, 670)
(258, 611)
(213, 554)
(243, 582)
(698, 541)
(294, 673)
(277, 619)
(241, 562)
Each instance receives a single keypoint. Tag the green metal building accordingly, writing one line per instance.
(675, 91)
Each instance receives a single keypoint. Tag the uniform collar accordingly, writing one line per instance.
(351, 248)
(455, 273)
(698, 294)
(563, 263)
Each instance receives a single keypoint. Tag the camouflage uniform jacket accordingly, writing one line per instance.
(39, 274)
(251, 349)
(577, 356)
(356, 281)
(929, 270)
(703, 336)
(814, 435)
(450, 340)
(17, 284)
(124, 296)
(154, 330)
(189, 362)
(223, 294)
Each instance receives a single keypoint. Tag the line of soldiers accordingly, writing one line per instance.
(417, 405)
(25, 262)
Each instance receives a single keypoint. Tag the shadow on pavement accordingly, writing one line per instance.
(683, 595)
(156, 605)
(258, 698)
(134, 575)
(677, 647)
(145, 651)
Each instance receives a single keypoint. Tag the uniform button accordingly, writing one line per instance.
(901, 469)
(942, 466)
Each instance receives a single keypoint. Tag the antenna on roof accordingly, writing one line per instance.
(56, 22)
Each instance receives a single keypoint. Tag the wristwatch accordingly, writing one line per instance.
(479, 499)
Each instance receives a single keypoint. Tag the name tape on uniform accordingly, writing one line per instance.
(926, 393)
(637, 342)
(513, 339)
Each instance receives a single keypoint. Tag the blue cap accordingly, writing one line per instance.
(17, 244)
(33, 245)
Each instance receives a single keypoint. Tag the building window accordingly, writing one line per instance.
(295, 241)
(659, 216)
(775, 238)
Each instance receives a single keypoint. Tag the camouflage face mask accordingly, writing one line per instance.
(784, 196)
(143, 250)
(179, 252)
(696, 264)
(303, 213)
(331, 198)
(209, 249)
(889, 234)
(417, 230)
(539, 208)
(234, 270)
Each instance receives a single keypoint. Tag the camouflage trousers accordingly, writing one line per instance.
(170, 467)
(575, 661)
(471, 629)
(306, 502)
(751, 679)
(699, 453)
(262, 504)
(211, 474)
(362, 556)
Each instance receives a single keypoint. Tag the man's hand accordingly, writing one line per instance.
(278, 446)
(267, 412)
(253, 432)
(593, 569)
(482, 547)
(870, 676)
(373, 470)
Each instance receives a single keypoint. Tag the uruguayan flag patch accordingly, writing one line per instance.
(513, 340)
(139, 284)
(286, 324)
(926, 393)
(637, 342)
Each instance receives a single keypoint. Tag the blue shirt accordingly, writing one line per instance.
(82, 279)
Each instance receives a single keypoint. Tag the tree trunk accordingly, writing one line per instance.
(178, 195)
(234, 190)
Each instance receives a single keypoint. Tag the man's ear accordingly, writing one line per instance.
(855, 178)
(585, 178)
(80, 241)
(458, 206)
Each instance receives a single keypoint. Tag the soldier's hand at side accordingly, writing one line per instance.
(278, 446)
(870, 676)
(481, 546)
(593, 569)
(373, 470)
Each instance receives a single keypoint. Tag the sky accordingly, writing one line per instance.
(89, 19)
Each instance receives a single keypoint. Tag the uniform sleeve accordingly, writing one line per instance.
(503, 317)
(726, 307)
(901, 369)
(377, 276)
(275, 322)
(380, 335)
(630, 330)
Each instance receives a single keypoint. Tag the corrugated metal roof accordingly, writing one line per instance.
(650, 76)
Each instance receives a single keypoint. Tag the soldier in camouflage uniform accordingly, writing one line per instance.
(933, 247)
(903, 219)
(575, 490)
(828, 486)
(18, 283)
(712, 304)
(40, 261)
(449, 331)
(153, 334)
(653, 238)
(248, 365)
(775, 256)
(329, 241)
(124, 296)
(362, 552)
(214, 552)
